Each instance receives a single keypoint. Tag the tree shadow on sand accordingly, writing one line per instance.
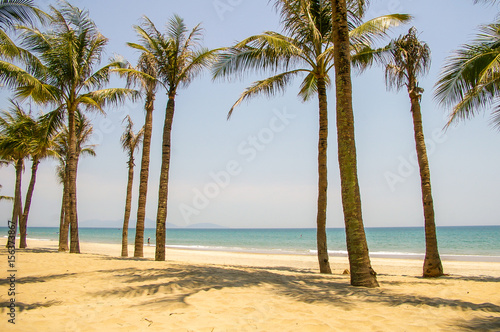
(485, 324)
(305, 287)
(20, 306)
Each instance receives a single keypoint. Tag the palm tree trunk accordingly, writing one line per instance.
(144, 176)
(128, 205)
(161, 217)
(362, 273)
(432, 261)
(17, 208)
(64, 220)
(23, 225)
(72, 164)
(324, 265)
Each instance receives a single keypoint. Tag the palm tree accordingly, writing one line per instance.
(470, 80)
(130, 143)
(41, 141)
(146, 76)
(178, 59)
(411, 58)
(84, 130)
(362, 273)
(305, 48)
(64, 76)
(15, 146)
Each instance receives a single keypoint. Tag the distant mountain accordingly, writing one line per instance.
(149, 223)
(205, 225)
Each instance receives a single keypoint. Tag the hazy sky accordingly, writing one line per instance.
(260, 168)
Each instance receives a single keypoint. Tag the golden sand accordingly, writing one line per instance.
(220, 291)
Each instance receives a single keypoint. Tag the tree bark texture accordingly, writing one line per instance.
(161, 217)
(17, 206)
(128, 206)
(72, 165)
(64, 219)
(432, 261)
(324, 265)
(362, 273)
(23, 225)
(144, 177)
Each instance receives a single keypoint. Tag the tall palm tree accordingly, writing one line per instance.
(305, 48)
(470, 79)
(178, 58)
(362, 273)
(84, 130)
(411, 58)
(65, 76)
(146, 76)
(130, 143)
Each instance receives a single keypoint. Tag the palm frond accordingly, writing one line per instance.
(268, 87)
(97, 100)
(20, 11)
(269, 51)
(373, 30)
(470, 80)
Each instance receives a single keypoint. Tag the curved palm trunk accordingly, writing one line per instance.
(23, 225)
(17, 208)
(72, 165)
(64, 219)
(432, 261)
(324, 265)
(144, 176)
(362, 273)
(161, 217)
(128, 205)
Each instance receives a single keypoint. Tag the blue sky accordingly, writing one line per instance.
(259, 169)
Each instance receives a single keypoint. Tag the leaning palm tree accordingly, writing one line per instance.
(65, 76)
(145, 74)
(178, 58)
(411, 58)
(84, 131)
(15, 146)
(305, 48)
(130, 143)
(41, 141)
(470, 80)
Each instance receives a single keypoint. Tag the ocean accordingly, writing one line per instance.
(477, 243)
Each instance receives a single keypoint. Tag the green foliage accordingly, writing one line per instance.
(470, 80)
(172, 58)
(409, 59)
(130, 140)
(304, 47)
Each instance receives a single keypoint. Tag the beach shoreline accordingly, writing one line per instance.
(227, 291)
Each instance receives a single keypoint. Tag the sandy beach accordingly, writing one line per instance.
(221, 291)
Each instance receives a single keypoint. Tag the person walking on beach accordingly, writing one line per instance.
(149, 240)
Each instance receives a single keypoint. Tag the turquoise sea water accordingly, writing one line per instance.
(480, 243)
